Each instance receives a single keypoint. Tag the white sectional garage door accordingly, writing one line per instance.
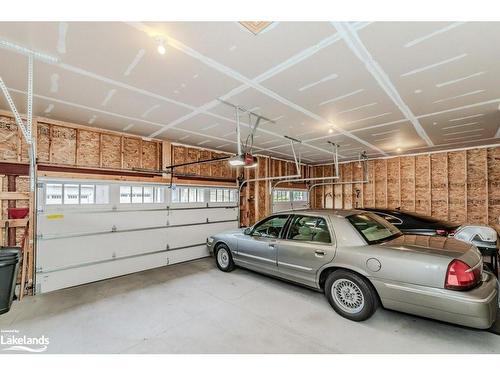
(289, 199)
(93, 230)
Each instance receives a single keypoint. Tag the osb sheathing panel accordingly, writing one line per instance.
(63, 145)
(205, 168)
(358, 188)
(494, 187)
(338, 193)
(439, 185)
(216, 167)
(393, 191)
(318, 190)
(368, 188)
(9, 140)
(43, 143)
(22, 185)
(131, 153)
(328, 189)
(456, 187)
(347, 188)
(251, 196)
(422, 185)
(477, 186)
(408, 183)
(178, 157)
(111, 151)
(192, 156)
(87, 148)
(262, 187)
(380, 183)
(150, 155)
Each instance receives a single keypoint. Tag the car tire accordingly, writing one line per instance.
(223, 258)
(350, 295)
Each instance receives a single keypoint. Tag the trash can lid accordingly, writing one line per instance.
(10, 253)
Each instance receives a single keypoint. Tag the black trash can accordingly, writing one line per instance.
(9, 267)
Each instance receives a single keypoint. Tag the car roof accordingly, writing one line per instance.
(322, 212)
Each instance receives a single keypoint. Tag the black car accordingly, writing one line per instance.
(413, 223)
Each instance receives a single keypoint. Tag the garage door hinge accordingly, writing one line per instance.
(38, 269)
(168, 247)
(208, 220)
(39, 236)
(168, 223)
(38, 289)
(40, 185)
(113, 228)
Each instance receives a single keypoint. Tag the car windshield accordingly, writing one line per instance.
(373, 228)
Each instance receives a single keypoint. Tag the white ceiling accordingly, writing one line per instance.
(382, 86)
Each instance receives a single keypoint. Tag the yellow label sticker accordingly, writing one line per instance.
(55, 216)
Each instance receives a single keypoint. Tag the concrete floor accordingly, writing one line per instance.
(195, 308)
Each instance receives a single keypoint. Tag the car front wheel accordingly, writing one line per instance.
(350, 295)
(223, 258)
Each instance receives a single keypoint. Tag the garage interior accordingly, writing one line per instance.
(119, 139)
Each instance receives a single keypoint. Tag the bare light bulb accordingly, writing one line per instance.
(161, 49)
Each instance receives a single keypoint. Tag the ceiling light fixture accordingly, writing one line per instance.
(161, 46)
(246, 160)
(398, 149)
(330, 130)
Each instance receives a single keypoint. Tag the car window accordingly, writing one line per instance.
(373, 228)
(391, 219)
(309, 228)
(270, 227)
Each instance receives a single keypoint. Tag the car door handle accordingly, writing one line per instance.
(319, 253)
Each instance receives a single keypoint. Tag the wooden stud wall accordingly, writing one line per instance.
(459, 186)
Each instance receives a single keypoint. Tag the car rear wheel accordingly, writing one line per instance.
(350, 295)
(223, 258)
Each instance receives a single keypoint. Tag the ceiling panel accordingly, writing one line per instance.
(392, 138)
(239, 49)
(334, 84)
(451, 64)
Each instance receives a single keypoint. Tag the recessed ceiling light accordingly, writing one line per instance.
(161, 46)
(330, 130)
(417, 91)
(398, 149)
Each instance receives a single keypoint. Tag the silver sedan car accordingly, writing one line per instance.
(362, 261)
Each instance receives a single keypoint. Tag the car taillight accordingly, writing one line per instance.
(461, 276)
(445, 232)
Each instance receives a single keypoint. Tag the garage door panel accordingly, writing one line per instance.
(47, 282)
(182, 217)
(73, 251)
(88, 222)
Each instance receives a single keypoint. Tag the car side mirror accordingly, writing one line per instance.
(247, 231)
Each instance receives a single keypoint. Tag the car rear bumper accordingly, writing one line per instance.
(475, 308)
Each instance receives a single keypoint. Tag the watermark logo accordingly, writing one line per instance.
(14, 341)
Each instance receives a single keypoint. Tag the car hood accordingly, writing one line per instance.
(435, 245)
